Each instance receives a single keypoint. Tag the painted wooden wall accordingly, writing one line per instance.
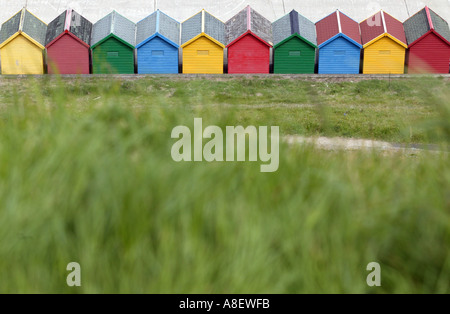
(294, 56)
(157, 57)
(339, 57)
(67, 56)
(203, 56)
(429, 55)
(385, 56)
(112, 57)
(21, 56)
(249, 56)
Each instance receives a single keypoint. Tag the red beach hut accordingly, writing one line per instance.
(428, 38)
(67, 42)
(249, 39)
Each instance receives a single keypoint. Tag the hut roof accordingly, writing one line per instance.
(161, 24)
(24, 22)
(116, 25)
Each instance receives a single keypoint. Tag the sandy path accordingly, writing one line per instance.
(339, 143)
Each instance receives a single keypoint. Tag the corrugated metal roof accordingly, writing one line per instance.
(146, 27)
(78, 26)
(327, 28)
(101, 29)
(371, 28)
(293, 23)
(214, 28)
(203, 22)
(124, 29)
(169, 28)
(261, 26)
(440, 25)
(281, 29)
(379, 24)
(236, 26)
(416, 26)
(55, 28)
(158, 22)
(191, 27)
(81, 27)
(248, 20)
(34, 27)
(10, 27)
(337, 23)
(26, 22)
(395, 28)
(116, 24)
(307, 29)
(350, 27)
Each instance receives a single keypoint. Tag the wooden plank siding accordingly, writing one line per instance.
(112, 57)
(294, 56)
(21, 56)
(157, 57)
(248, 55)
(68, 56)
(384, 56)
(430, 55)
(203, 56)
(339, 57)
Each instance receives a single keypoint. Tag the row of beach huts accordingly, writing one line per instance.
(158, 44)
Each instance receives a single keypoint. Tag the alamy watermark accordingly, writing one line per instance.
(374, 277)
(225, 148)
(74, 277)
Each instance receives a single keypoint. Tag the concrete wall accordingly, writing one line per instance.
(223, 9)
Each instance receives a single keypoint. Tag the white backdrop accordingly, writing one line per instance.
(223, 9)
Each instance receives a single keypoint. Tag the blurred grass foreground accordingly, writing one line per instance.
(86, 176)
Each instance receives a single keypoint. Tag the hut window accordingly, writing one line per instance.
(157, 52)
(339, 52)
(385, 52)
(294, 53)
(203, 52)
(113, 54)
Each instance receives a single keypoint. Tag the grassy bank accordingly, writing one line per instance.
(411, 110)
(86, 176)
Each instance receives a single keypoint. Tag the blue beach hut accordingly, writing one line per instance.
(158, 42)
(339, 42)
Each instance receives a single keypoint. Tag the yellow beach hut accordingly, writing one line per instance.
(384, 44)
(22, 41)
(203, 43)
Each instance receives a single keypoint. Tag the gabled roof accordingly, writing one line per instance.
(337, 25)
(294, 23)
(69, 22)
(26, 24)
(203, 24)
(424, 22)
(114, 25)
(382, 25)
(158, 24)
(248, 21)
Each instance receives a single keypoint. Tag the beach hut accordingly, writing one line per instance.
(158, 41)
(112, 45)
(428, 37)
(295, 44)
(384, 44)
(203, 43)
(67, 43)
(249, 40)
(339, 41)
(22, 40)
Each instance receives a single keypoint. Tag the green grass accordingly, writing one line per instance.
(397, 111)
(86, 176)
